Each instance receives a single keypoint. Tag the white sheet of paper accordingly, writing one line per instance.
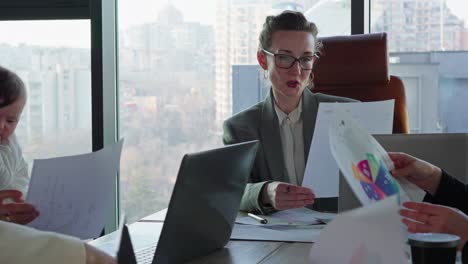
(370, 234)
(73, 193)
(290, 217)
(321, 172)
(296, 215)
(363, 161)
(308, 233)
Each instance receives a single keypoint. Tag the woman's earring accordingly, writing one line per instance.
(265, 74)
(311, 80)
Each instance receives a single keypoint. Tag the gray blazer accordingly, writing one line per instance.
(260, 122)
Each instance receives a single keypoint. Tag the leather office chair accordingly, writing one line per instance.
(356, 66)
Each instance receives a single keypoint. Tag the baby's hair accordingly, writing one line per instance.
(11, 87)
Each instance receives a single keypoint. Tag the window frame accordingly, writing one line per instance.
(104, 59)
(103, 63)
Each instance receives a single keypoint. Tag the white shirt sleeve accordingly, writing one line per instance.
(13, 167)
(23, 245)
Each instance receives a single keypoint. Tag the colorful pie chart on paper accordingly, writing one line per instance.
(375, 179)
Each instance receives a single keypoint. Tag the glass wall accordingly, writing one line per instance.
(428, 44)
(175, 87)
(53, 59)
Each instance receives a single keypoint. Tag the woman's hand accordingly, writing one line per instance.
(18, 211)
(286, 196)
(423, 174)
(426, 217)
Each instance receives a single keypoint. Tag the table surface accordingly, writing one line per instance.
(236, 251)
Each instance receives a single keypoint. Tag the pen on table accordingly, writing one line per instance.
(258, 218)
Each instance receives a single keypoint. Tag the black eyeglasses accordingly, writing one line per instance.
(285, 61)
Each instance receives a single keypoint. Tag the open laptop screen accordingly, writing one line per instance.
(204, 202)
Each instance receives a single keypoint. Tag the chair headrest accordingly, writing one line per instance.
(352, 60)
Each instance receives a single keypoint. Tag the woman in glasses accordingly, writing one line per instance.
(284, 122)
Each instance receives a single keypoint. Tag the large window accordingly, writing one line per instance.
(428, 44)
(53, 59)
(176, 65)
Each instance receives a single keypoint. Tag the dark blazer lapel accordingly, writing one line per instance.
(271, 139)
(309, 115)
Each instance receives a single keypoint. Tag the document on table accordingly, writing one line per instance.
(370, 234)
(73, 193)
(321, 172)
(293, 225)
(307, 234)
(290, 217)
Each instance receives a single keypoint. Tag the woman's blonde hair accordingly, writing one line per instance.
(289, 21)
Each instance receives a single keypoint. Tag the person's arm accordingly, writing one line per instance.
(16, 210)
(95, 256)
(24, 245)
(21, 181)
(431, 218)
(251, 201)
(265, 197)
(441, 188)
(419, 172)
(450, 192)
(20, 172)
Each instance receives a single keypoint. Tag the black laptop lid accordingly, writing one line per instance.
(205, 202)
(125, 255)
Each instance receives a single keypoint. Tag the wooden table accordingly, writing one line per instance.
(247, 251)
(236, 251)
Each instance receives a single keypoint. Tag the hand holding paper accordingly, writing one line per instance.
(16, 211)
(419, 172)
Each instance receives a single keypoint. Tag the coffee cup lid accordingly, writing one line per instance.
(433, 240)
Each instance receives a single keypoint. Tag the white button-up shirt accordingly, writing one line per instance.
(292, 141)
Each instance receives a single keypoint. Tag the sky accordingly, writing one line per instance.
(76, 33)
(131, 12)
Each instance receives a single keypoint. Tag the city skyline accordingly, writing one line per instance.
(174, 90)
(76, 33)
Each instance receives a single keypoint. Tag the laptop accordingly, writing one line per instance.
(202, 209)
(447, 151)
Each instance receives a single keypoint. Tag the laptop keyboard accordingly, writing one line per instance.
(145, 255)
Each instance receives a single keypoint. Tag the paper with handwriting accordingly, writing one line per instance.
(73, 194)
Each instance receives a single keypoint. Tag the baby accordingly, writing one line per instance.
(13, 168)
